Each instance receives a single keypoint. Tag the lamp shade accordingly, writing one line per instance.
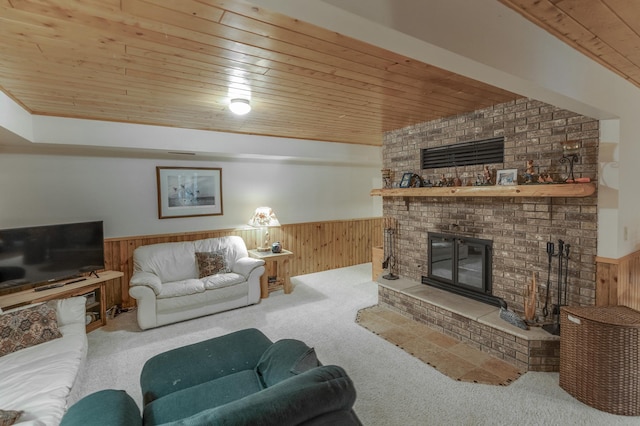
(239, 106)
(264, 216)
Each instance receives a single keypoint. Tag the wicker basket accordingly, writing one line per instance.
(599, 357)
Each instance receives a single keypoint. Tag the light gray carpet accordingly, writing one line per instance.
(393, 387)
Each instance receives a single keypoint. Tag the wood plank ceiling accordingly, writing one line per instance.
(178, 62)
(607, 31)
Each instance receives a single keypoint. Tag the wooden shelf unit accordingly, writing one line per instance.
(96, 309)
(533, 190)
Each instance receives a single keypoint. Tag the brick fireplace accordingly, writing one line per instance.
(519, 227)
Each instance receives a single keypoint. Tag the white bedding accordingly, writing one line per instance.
(38, 380)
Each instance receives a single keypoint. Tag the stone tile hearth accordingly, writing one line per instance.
(452, 358)
(471, 322)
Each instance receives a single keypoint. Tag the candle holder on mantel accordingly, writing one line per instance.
(570, 151)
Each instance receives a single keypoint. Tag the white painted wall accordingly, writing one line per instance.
(608, 186)
(47, 189)
(55, 131)
(489, 42)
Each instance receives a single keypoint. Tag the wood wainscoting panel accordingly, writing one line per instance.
(317, 246)
(629, 281)
(606, 284)
(618, 281)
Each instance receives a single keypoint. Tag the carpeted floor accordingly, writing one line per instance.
(445, 354)
(393, 387)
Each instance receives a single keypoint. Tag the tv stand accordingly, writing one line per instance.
(94, 289)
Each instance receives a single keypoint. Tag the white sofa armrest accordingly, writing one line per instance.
(147, 279)
(146, 302)
(245, 265)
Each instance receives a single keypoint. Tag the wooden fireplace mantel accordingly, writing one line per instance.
(541, 190)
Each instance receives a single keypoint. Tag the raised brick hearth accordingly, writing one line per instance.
(471, 322)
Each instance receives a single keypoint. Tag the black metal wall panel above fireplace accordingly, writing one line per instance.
(461, 265)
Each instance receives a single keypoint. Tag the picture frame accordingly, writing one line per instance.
(406, 180)
(507, 177)
(189, 191)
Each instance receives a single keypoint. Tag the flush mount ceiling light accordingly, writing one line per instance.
(239, 106)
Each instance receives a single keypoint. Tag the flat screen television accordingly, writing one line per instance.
(44, 254)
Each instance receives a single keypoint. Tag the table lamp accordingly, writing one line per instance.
(264, 218)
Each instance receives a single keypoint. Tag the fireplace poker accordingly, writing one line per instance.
(550, 249)
(567, 249)
(556, 308)
(555, 327)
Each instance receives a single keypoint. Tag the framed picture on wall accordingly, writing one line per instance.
(189, 192)
(507, 177)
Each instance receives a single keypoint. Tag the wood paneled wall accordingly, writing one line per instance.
(618, 281)
(317, 246)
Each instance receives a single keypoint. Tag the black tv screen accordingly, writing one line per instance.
(40, 254)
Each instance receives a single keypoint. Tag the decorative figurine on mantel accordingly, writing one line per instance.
(488, 176)
(386, 178)
(545, 177)
(529, 172)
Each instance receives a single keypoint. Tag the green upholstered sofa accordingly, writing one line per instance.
(238, 379)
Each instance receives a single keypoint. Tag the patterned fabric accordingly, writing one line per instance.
(27, 327)
(211, 263)
(9, 417)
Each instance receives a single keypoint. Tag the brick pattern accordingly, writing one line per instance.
(519, 227)
(528, 355)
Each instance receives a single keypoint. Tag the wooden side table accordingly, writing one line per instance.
(276, 264)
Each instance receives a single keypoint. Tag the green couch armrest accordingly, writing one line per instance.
(313, 394)
(103, 408)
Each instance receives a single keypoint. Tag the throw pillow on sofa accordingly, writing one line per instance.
(9, 417)
(27, 327)
(211, 263)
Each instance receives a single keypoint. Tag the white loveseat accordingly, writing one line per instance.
(167, 286)
(37, 380)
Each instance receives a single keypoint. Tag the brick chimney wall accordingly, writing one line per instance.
(519, 227)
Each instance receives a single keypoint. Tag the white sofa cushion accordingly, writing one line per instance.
(222, 280)
(181, 288)
(69, 311)
(169, 261)
(37, 380)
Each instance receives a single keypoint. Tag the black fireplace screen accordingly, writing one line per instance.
(461, 265)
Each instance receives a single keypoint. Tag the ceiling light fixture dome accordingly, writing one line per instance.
(239, 106)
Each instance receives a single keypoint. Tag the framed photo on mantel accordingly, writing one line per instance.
(507, 177)
(189, 191)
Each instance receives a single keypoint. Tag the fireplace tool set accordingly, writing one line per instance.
(389, 262)
(562, 284)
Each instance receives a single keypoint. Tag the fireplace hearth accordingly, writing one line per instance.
(461, 265)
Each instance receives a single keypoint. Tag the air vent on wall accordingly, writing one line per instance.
(487, 151)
